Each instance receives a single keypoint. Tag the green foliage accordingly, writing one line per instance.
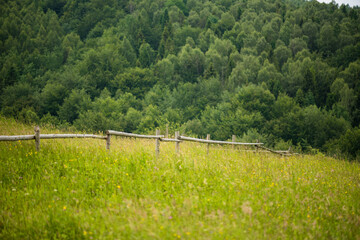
(281, 55)
(135, 81)
(150, 120)
(224, 120)
(191, 63)
(251, 136)
(255, 99)
(146, 55)
(194, 127)
(349, 143)
(132, 120)
(52, 97)
(75, 103)
(29, 116)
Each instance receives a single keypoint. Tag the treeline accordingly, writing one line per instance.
(286, 72)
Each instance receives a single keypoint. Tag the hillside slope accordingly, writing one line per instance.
(75, 189)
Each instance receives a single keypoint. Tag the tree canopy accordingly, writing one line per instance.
(283, 71)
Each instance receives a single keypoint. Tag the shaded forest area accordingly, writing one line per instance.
(286, 72)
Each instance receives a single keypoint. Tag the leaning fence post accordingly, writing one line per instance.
(157, 144)
(208, 145)
(108, 138)
(177, 144)
(37, 138)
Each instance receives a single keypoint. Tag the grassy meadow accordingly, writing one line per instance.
(75, 189)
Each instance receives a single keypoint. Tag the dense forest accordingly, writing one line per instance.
(286, 72)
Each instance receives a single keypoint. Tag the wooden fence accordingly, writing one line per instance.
(158, 138)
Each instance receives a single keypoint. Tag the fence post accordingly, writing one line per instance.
(208, 145)
(108, 138)
(157, 144)
(233, 140)
(37, 138)
(177, 144)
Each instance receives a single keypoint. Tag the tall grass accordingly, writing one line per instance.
(75, 189)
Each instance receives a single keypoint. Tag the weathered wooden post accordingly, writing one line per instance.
(157, 144)
(108, 138)
(233, 140)
(37, 138)
(208, 145)
(177, 144)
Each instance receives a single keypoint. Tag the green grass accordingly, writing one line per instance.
(75, 189)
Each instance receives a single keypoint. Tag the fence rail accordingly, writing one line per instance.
(17, 138)
(216, 142)
(52, 136)
(49, 136)
(178, 139)
(170, 140)
(124, 134)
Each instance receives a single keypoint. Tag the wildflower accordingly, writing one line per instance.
(64, 208)
(118, 187)
(84, 233)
